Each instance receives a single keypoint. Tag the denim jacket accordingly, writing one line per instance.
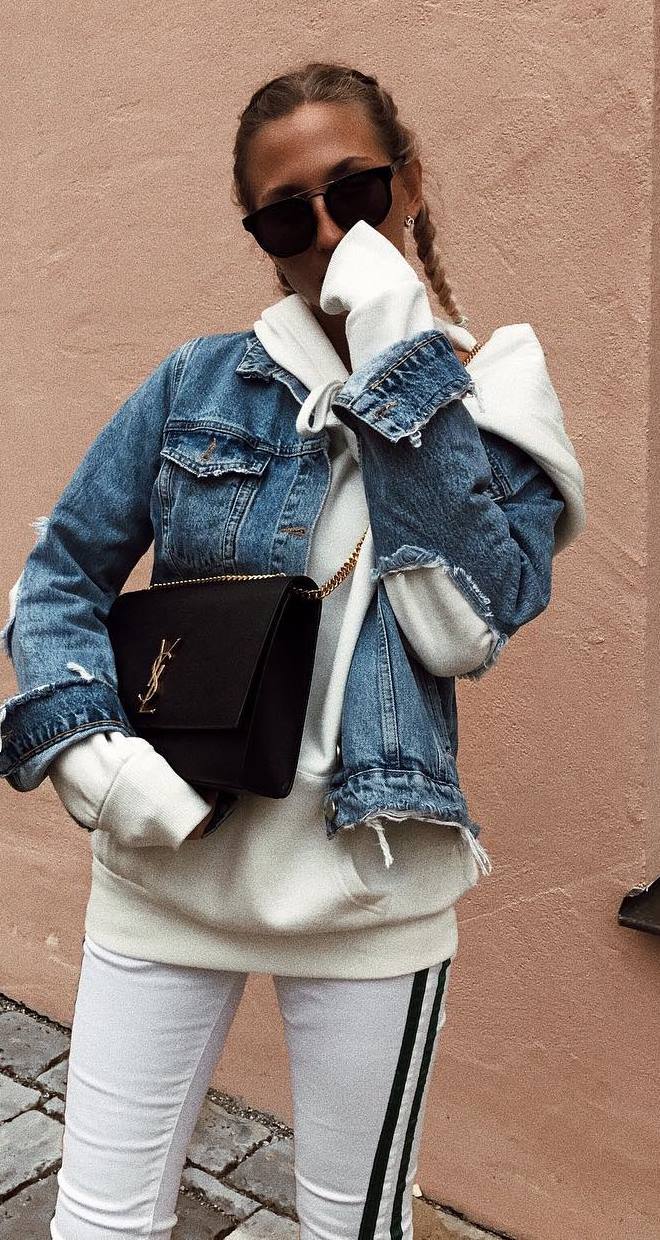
(203, 460)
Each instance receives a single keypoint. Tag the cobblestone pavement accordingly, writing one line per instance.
(238, 1178)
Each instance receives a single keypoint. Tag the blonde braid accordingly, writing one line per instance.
(424, 232)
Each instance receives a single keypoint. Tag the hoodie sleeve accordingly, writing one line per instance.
(115, 783)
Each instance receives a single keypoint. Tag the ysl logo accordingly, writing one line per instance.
(158, 667)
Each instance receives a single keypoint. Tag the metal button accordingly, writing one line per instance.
(332, 809)
(338, 752)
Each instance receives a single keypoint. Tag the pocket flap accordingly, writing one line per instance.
(207, 453)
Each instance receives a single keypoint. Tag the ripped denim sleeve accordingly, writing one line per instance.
(468, 503)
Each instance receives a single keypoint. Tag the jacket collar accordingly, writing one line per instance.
(256, 363)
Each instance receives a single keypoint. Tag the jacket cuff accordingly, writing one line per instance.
(398, 392)
(38, 724)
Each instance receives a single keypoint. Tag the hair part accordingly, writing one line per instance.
(323, 82)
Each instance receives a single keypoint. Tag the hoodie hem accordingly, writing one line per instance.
(121, 917)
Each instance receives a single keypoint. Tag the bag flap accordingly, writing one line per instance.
(193, 652)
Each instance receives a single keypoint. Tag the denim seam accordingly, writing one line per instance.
(60, 736)
(421, 344)
(165, 480)
(209, 424)
(498, 473)
(389, 716)
(181, 361)
(217, 469)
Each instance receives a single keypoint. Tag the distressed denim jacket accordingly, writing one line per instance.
(204, 460)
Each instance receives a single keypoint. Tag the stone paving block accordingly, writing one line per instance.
(458, 1229)
(28, 1047)
(227, 1199)
(15, 1098)
(266, 1226)
(268, 1175)
(220, 1138)
(27, 1215)
(30, 1145)
(55, 1078)
(54, 1107)
(427, 1223)
(433, 1223)
(198, 1222)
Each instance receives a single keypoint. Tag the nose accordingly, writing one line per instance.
(328, 234)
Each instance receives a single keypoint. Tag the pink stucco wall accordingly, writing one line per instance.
(120, 242)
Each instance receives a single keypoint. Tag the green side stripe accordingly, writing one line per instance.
(381, 1157)
(396, 1225)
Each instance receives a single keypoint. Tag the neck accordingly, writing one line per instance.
(334, 326)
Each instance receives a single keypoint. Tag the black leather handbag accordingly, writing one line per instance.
(215, 673)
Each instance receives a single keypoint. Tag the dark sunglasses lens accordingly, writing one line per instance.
(285, 228)
(363, 196)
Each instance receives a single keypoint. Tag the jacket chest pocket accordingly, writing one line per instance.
(206, 484)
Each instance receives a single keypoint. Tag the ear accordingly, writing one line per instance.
(411, 175)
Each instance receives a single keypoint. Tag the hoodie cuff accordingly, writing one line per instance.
(149, 804)
(368, 277)
(120, 784)
(391, 316)
(363, 264)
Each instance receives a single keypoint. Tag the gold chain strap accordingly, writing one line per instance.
(473, 350)
(320, 592)
(337, 578)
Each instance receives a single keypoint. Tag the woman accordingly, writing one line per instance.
(346, 407)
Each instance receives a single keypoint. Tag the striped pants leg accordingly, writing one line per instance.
(145, 1039)
(361, 1055)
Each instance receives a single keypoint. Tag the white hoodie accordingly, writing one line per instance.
(268, 891)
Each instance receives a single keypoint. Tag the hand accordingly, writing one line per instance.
(198, 831)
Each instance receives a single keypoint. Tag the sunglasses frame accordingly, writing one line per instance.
(250, 222)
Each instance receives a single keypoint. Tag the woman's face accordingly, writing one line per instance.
(312, 145)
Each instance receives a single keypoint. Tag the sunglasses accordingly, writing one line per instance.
(288, 227)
